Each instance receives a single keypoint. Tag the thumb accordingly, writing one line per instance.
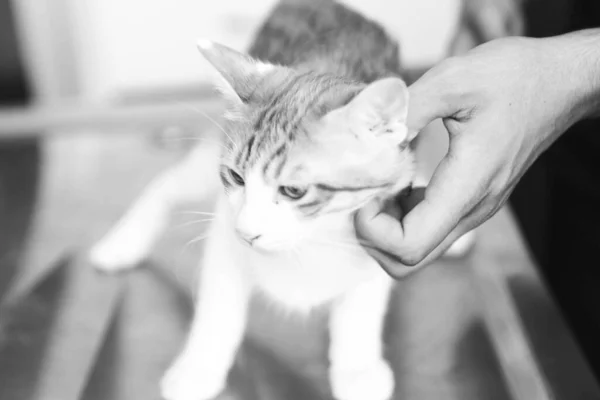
(427, 101)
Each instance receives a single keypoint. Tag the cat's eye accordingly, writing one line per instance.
(292, 192)
(235, 177)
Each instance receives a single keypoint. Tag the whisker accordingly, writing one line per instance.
(196, 240)
(199, 213)
(208, 117)
(196, 221)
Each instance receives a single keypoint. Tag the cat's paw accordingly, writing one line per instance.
(461, 246)
(114, 254)
(190, 380)
(371, 382)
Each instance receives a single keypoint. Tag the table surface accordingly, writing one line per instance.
(442, 337)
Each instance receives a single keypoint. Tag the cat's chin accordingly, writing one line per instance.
(265, 251)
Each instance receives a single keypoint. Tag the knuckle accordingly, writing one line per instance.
(394, 269)
(411, 257)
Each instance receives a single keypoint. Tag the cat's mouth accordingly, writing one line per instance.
(262, 244)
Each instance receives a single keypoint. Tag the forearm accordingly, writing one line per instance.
(577, 55)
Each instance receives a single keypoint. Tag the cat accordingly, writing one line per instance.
(315, 128)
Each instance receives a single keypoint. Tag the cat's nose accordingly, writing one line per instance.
(247, 237)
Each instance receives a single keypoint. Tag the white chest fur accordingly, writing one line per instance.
(307, 277)
(312, 276)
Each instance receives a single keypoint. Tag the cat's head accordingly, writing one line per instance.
(306, 149)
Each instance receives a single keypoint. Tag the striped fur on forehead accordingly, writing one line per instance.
(273, 123)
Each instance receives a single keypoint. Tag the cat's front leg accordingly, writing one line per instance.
(129, 242)
(358, 368)
(200, 372)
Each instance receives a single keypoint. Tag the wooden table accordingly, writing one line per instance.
(480, 328)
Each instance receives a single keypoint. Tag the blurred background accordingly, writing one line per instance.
(97, 97)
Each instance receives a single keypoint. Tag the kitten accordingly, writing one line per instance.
(315, 128)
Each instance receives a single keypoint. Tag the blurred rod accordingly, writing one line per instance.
(44, 120)
(524, 376)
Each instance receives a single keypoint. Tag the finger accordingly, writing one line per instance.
(448, 199)
(454, 192)
(373, 225)
(397, 270)
(427, 101)
(390, 264)
(396, 208)
(464, 226)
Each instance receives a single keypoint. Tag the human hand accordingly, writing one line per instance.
(503, 104)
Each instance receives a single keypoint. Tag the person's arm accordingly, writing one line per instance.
(584, 47)
(503, 104)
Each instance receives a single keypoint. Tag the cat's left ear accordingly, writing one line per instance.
(241, 73)
(382, 108)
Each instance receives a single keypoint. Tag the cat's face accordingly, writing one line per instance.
(306, 150)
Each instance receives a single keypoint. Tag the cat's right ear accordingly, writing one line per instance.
(241, 73)
(382, 108)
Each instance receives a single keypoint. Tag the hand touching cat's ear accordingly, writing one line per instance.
(241, 73)
(382, 107)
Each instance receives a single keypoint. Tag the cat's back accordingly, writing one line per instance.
(327, 36)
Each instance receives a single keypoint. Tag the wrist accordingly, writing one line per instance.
(577, 57)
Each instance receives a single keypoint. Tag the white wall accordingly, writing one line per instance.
(129, 44)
